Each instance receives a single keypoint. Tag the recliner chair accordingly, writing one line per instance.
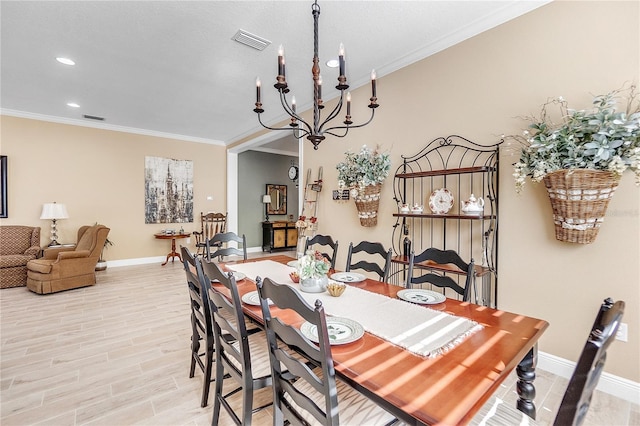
(64, 268)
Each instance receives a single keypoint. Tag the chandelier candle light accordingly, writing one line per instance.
(316, 132)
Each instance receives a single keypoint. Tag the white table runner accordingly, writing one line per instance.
(420, 330)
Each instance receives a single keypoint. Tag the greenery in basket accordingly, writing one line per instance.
(600, 138)
(313, 265)
(368, 167)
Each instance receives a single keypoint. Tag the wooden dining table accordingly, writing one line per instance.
(447, 389)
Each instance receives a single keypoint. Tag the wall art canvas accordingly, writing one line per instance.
(168, 189)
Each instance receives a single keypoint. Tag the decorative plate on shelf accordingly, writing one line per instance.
(341, 331)
(441, 201)
(422, 297)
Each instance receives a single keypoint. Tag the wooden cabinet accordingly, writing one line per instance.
(458, 167)
(279, 236)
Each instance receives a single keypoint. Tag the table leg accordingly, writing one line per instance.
(173, 253)
(526, 371)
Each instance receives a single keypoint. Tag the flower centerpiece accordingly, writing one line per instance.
(363, 174)
(580, 157)
(312, 270)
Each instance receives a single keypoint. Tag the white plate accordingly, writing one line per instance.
(341, 331)
(348, 277)
(292, 263)
(422, 297)
(441, 201)
(239, 276)
(253, 298)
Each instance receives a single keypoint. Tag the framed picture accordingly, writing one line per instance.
(278, 199)
(4, 212)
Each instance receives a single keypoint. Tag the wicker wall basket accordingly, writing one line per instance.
(367, 202)
(579, 199)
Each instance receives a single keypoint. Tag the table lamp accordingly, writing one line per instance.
(54, 211)
(266, 200)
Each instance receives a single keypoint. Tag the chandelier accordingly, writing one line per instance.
(320, 127)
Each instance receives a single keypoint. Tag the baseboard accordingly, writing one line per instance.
(614, 385)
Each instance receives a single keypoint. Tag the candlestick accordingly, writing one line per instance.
(341, 58)
(293, 103)
(319, 87)
(258, 89)
(373, 83)
(348, 103)
(281, 61)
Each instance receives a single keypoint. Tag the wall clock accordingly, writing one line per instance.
(293, 172)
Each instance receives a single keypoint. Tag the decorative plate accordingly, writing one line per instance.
(422, 297)
(348, 277)
(341, 331)
(253, 298)
(441, 201)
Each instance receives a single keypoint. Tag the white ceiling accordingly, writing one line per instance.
(170, 67)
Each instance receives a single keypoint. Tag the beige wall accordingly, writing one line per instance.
(99, 176)
(477, 89)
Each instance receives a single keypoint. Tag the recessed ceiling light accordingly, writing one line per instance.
(65, 61)
(333, 63)
(73, 105)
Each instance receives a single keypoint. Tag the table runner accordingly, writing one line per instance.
(420, 330)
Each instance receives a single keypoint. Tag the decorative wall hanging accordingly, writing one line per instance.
(581, 158)
(363, 174)
(168, 191)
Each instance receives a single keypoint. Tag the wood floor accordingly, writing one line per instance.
(117, 353)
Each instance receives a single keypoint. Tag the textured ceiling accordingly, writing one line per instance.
(171, 67)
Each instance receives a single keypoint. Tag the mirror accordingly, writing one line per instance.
(278, 195)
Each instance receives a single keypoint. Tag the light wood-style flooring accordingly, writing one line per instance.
(117, 353)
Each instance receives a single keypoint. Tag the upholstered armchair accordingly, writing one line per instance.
(64, 268)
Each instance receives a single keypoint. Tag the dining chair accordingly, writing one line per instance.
(305, 389)
(241, 355)
(577, 397)
(436, 261)
(365, 263)
(217, 246)
(210, 225)
(324, 240)
(201, 328)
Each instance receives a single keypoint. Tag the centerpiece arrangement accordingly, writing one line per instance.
(313, 268)
(580, 159)
(363, 174)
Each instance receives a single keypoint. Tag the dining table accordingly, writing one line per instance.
(447, 388)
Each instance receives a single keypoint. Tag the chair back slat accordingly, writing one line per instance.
(324, 240)
(441, 257)
(374, 249)
(282, 338)
(576, 400)
(216, 246)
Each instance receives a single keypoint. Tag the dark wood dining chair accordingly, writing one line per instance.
(218, 246)
(324, 240)
(210, 225)
(300, 391)
(202, 341)
(365, 262)
(577, 397)
(437, 263)
(241, 355)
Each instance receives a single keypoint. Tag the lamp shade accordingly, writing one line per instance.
(54, 211)
(266, 199)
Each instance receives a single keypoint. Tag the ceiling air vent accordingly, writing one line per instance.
(251, 40)
(93, 117)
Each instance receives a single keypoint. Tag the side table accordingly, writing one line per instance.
(173, 254)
